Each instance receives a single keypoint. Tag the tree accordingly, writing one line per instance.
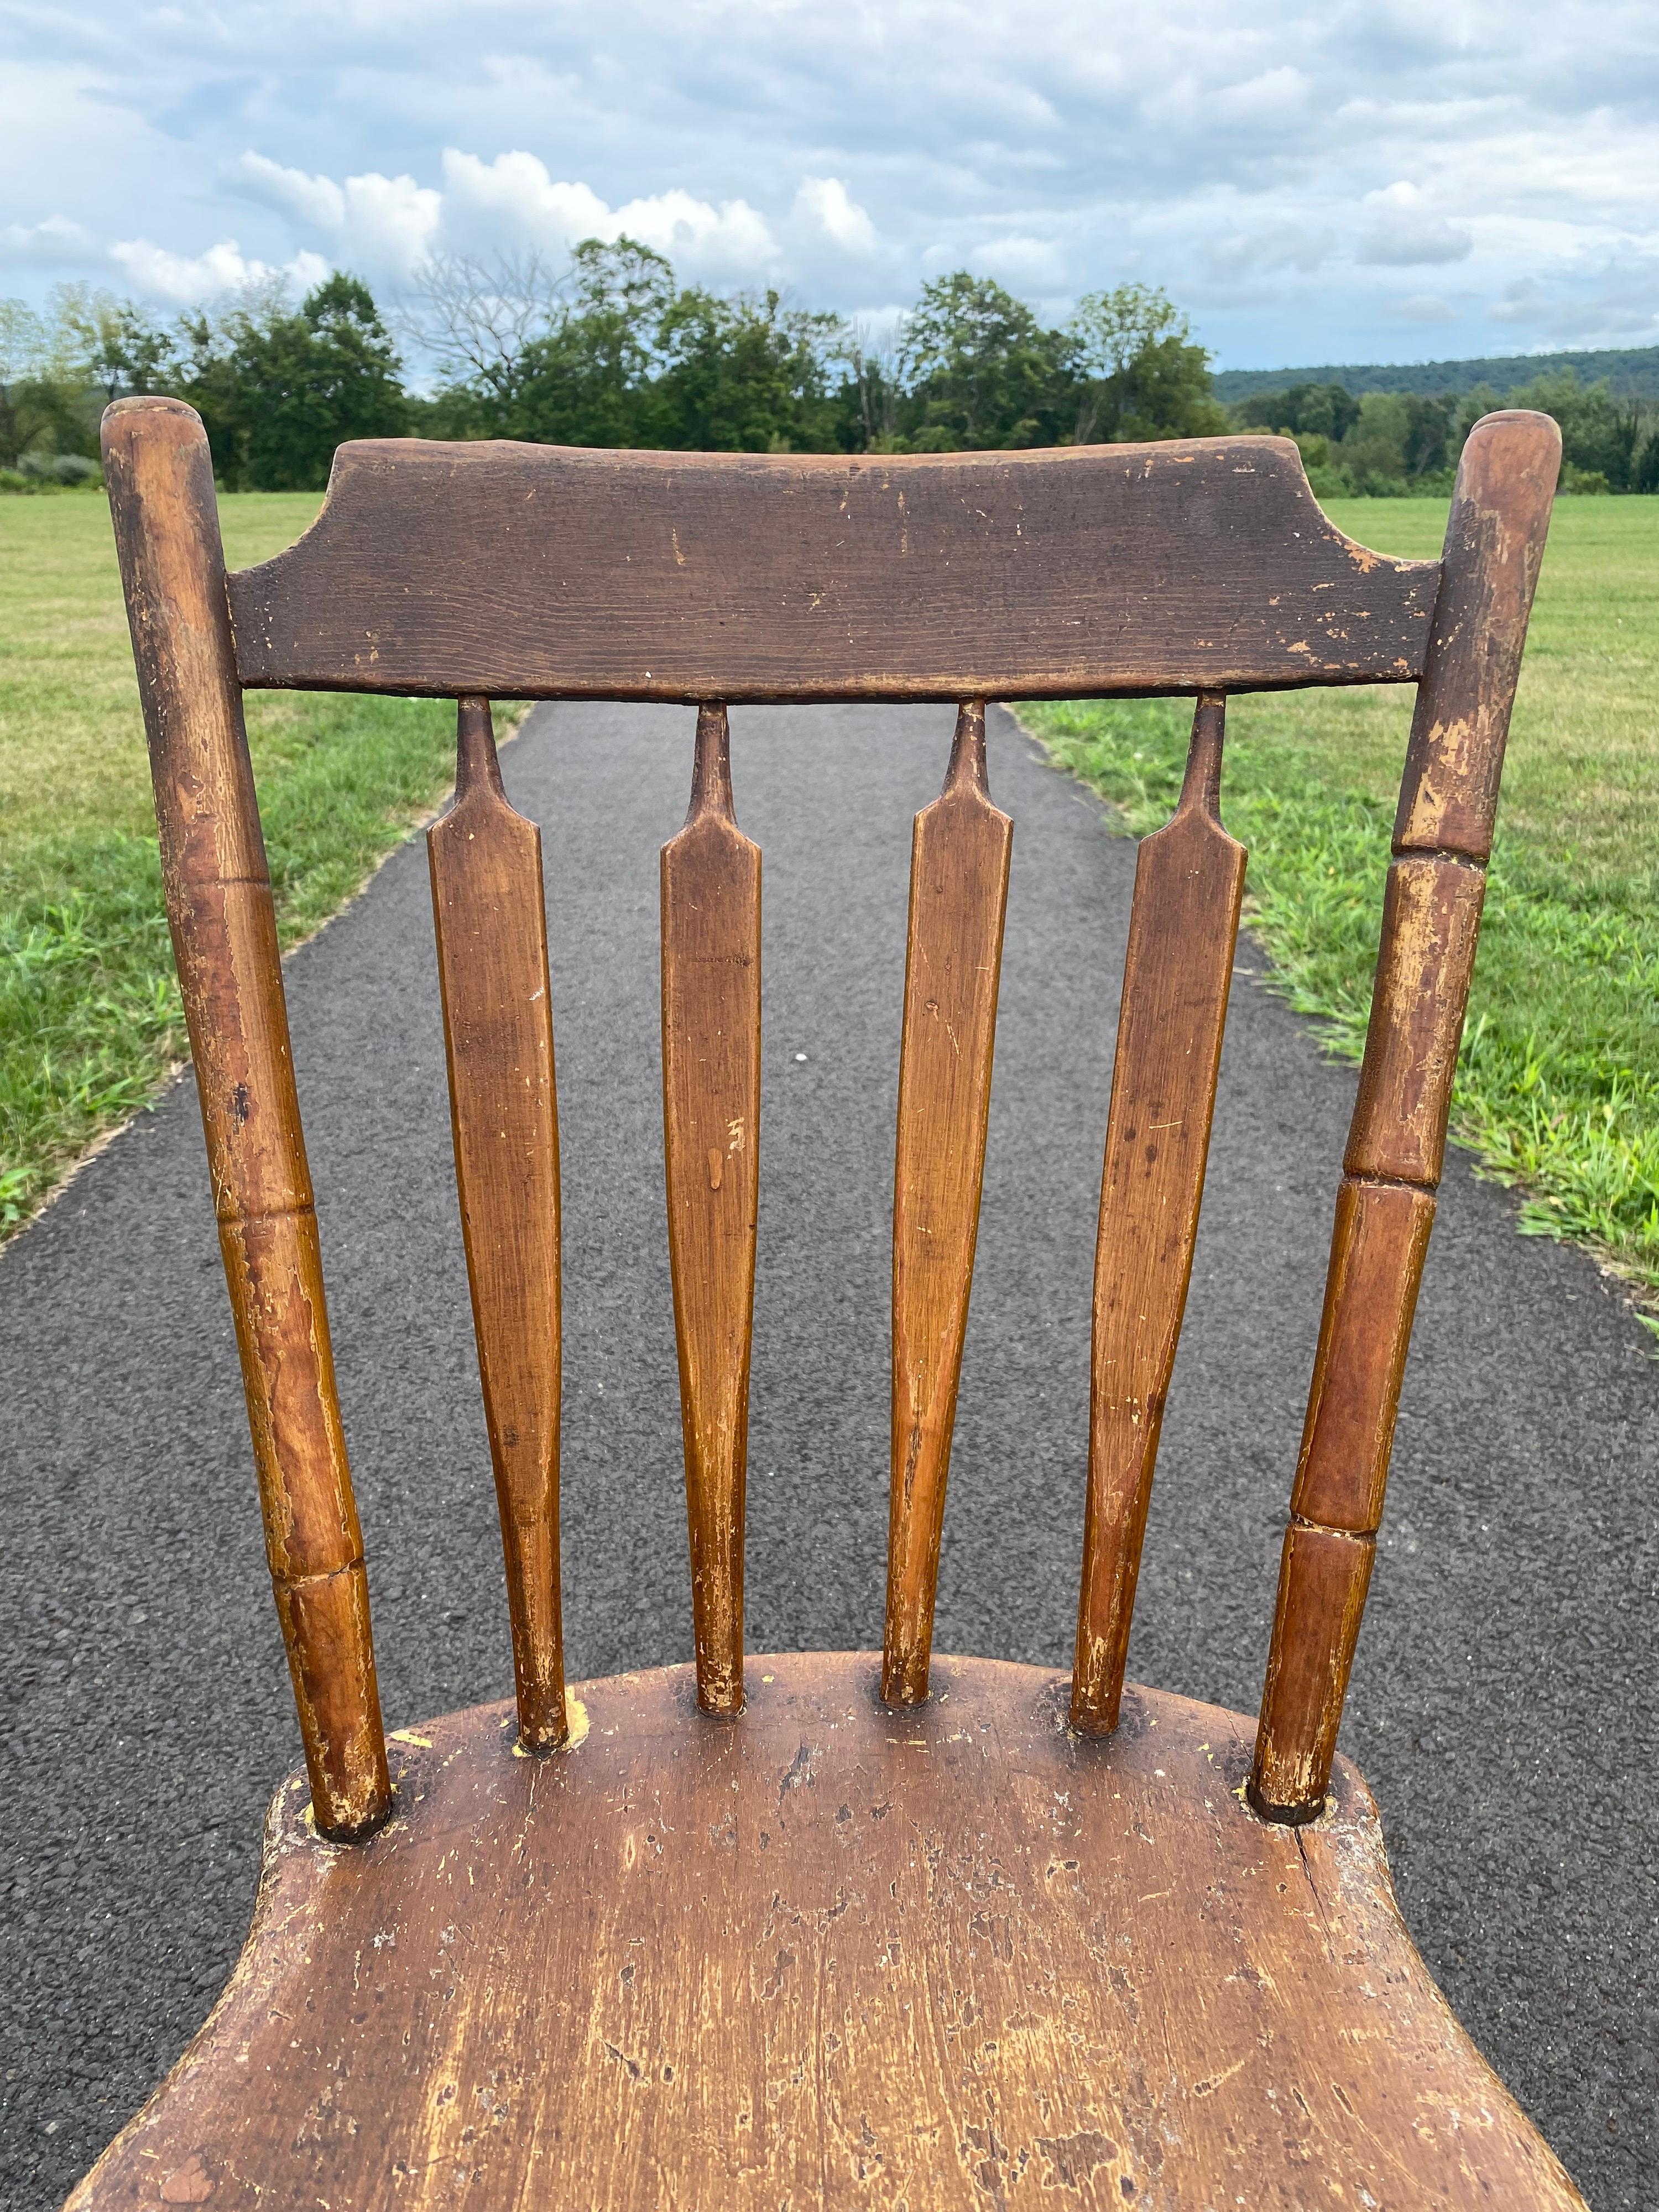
(475, 320)
(586, 378)
(1600, 435)
(869, 400)
(116, 348)
(744, 375)
(279, 390)
(49, 407)
(22, 350)
(980, 369)
(1306, 410)
(1137, 374)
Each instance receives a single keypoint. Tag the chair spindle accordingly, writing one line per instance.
(490, 920)
(959, 858)
(224, 933)
(1183, 926)
(711, 1013)
(1386, 1203)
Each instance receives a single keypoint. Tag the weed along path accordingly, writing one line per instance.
(1504, 1699)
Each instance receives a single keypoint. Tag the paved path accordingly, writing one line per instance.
(1504, 1703)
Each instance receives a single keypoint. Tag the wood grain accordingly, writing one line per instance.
(1431, 913)
(827, 1955)
(490, 919)
(1494, 547)
(525, 571)
(1189, 882)
(711, 888)
(224, 939)
(959, 856)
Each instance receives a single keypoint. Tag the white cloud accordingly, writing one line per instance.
(55, 243)
(188, 281)
(514, 201)
(1404, 231)
(757, 141)
(380, 225)
(825, 201)
(1022, 262)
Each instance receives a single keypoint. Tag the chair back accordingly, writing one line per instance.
(475, 572)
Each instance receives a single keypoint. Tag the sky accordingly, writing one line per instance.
(1365, 180)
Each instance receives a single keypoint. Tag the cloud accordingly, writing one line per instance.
(1618, 306)
(1403, 232)
(376, 224)
(189, 281)
(1268, 161)
(1019, 261)
(1276, 246)
(55, 243)
(1424, 307)
(514, 201)
(825, 201)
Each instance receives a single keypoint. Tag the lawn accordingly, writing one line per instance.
(90, 1020)
(1557, 1089)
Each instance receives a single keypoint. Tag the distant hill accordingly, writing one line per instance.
(1632, 373)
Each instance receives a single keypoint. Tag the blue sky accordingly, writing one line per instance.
(1355, 181)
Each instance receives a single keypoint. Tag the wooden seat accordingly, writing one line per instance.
(829, 1956)
(824, 1930)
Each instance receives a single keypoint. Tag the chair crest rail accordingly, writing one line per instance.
(528, 571)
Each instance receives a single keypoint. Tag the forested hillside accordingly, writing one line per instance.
(1629, 372)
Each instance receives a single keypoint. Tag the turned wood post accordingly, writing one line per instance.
(1385, 1207)
(224, 937)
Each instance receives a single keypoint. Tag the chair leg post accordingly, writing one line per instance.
(1385, 1208)
(224, 934)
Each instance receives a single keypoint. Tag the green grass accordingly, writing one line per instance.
(1558, 1087)
(90, 1020)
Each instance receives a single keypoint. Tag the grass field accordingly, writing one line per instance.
(1557, 1089)
(90, 1020)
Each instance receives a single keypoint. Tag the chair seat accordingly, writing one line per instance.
(830, 1954)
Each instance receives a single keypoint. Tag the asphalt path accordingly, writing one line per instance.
(1504, 1701)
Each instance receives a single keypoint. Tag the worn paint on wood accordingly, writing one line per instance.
(711, 1008)
(959, 857)
(224, 939)
(1495, 536)
(1189, 882)
(491, 927)
(828, 1955)
(525, 571)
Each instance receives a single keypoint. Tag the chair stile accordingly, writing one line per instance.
(1396, 1145)
(224, 937)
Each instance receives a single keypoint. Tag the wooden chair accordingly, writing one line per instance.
(825, 1929)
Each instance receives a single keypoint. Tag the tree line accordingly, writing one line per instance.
(1390, 442)
(614, 350)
